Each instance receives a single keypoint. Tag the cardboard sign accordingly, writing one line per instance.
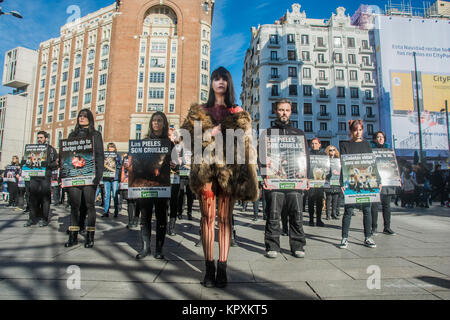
(149, 173)
(34, 155)
(388, 167)
(335, 171)
(10, 173)
(77, 162)
(110, 165)
(359, 173)
(319, 166)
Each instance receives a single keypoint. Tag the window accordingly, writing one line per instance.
(61, 117)
(323, 109)
(143, 47)
(100, 127)
(75, 101)
(172, 93)
(305, 39)
(339, 74)
(173, 63)
(138, 131)
(205, 49)
(101, 95)
(41, 96)
(65, 76)
(156, 93)
(49, 119)
(38, 121)
(155, 107)
(104, 64)
(368, 94)
(139, 107)
(157, 77)
(323, 126)
(274, 73)
(273, 39)
(351, 42)
(338, 57)
(44, 71)
(323, 92)
(292, 72)
(340, 92)
(337, 42)
(78, 59)
(320, 42)
(305, 56)
(159, 47)
(63, 90)
(66, 63)
(62, 104)
(42, 83)
(307, 91)
(273, 55)
(52, 93)
(105, 50)
(50, 107)
(73, 114)
(203, 95)
(307, 108)
(307, 73)
(53, 80)
(40, 109)
(140, 93)
(366, 60)
(274, 90)
(103, 78)
(91, 55)
(322, 75)
(369, 111)
(54, 67)
(204, 79)
(141, 77)
(100, 108)
(76, 73)
(365, 44)
(354, 93)
(367, 77)
(321, 58)
(76, 86)
(342, 126)
(294, 108)
(142, 61)
(353, 75)
(370, 129)
(291, 38)
(171, 108)
(89, 83)
(341, 109)
(352, 59)
(204, 64)
(87, 98)
(292, 90)
(308, 126)
(355, 110)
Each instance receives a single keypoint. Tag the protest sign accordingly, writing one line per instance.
(387, 167)
(319, 166)
(110, 165)
(77, 162)
(34, 155)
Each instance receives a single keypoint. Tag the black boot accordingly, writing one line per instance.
(145, 235)
(210, 274)
(319, 222)
(233, 238)
(89, 239)
(171, 228)
(73, 239)
(221, 277)
(189, 214)
(158, 254)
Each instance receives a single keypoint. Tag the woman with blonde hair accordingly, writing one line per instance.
(333, 192)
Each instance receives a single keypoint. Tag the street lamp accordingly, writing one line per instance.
(12, 13)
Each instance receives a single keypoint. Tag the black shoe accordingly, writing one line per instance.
(210, 275)
(73, 239)
(180, 216)
(389, 231)
(158, 254)
(26, 210)
(255, 218)
(233, 239)
(221, 277)
(285, 233)
(327, 218)
(312, 224)
(29, 223)
(320, 223)
(105, 215)
(116, 214)
(171, 227)
(334, 218)
(43, 223)
(9, 205)
(145, 235)
(189, 216)
(89, 239)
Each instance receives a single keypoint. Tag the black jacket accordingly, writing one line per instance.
(99, 156)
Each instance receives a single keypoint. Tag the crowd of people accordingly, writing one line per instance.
(217, 186)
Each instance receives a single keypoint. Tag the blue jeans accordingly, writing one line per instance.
(367, 219)
(114, 185)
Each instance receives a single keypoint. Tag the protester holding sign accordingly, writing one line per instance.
(228, 181)
(111, 175)
(318, 172)
(388, 190)
(132, 205)
(356, 145)
(87, 139)
(152, 169)
(291, 164)
(40, 185)
(11, 177)
(333, 190)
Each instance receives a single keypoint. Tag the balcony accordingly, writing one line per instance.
(323, 116)
(274, 78)
(368, 83)
(273, 44)
(274, 96)
(325, 134)
(324, 81)
(322, 98)
(366, 50)
(370, 118)
(371, 100)
(320, 47)
(274, 61)
(370, 66)
(322, 64)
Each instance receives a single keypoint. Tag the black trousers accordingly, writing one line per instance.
(13, 191)
(333, 204)
(21, 198)
(189, 198)
(40, 198)
(82, 198)
(161, 206)
(56, 194)
(176, 204)
(292, 203)
(385, 208)
(27, 193)
(315, 200)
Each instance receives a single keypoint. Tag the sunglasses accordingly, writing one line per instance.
(331, 150)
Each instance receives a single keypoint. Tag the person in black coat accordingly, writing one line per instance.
(315, 195)
(80, 196)
(333, 193)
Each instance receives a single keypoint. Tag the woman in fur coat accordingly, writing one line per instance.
(217, 178)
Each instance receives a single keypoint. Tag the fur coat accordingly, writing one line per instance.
(238, 180)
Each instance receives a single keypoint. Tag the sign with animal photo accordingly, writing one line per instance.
(285, 162)
(123, 185)
(149, 172)
(35, 155)
(10, 174)
(319, 165)
(77, 162)
(335, 173)
(360, 178)
(109, 170)
(54, 181)
(387, 167)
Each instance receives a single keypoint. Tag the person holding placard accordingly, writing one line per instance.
(356, 145)
(333, 191)
(85, 195)
(379, 142)
(40, 186)
(316, 195)
(11, 176)
(111, 175)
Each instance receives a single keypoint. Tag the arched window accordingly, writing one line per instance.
(54, 67)
(78, 59)
(105, 50)
(91, 54)
(44, 71)
(66, 63)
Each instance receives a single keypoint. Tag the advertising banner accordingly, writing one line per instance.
(359, 173)
(34, 155)
(109, 170)
(149, 173)
(286, 162)
(387, 167)
(319, 165)
(77, 162)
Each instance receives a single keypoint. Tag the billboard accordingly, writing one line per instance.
(397, 39)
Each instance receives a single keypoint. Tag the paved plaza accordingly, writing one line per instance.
(414, 264)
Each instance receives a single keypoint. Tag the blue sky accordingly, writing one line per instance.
(231, 26)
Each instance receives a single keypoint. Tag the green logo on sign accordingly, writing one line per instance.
(362, 200)
(149, 194)
(287, 185)
(78, 183)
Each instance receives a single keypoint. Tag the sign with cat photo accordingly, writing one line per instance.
(149, 169)
(360, 178)
(319, 166)
(388, 168)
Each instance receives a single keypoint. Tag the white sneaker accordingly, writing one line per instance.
(271, 254)
(299, 254)
(370, 243)
(344, 243)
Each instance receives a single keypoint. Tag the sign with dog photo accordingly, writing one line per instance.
(388, 168)
(360, 178)
(319, 165)
(149, 169)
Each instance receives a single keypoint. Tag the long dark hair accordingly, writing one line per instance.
(230, 98)
(165, 133)
(91, 127)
